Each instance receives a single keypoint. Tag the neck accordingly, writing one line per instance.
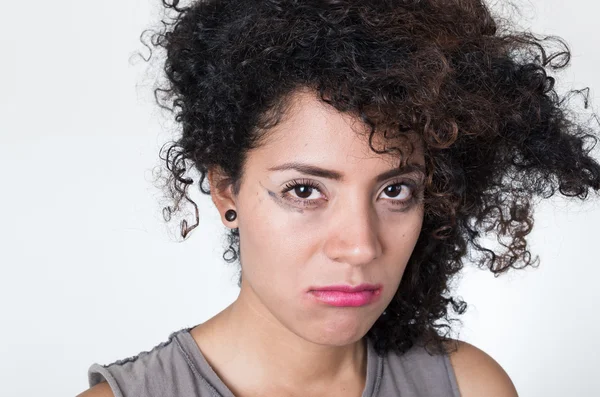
(246, 340)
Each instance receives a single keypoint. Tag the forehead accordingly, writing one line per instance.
(312, 131)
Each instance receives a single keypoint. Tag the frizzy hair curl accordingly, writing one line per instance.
(496, 134)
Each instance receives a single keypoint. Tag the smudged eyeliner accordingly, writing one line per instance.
(405, 205)
(281, 202)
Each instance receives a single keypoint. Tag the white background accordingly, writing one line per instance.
(90, 273)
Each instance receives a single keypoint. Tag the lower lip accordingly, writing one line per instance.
(353, 299)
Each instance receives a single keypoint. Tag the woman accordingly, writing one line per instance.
(357, 150)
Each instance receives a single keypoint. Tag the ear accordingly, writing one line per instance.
(221, 192)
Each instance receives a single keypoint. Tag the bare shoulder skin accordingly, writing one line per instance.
(478, 374)
(100, 390)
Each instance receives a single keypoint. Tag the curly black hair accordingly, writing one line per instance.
(495, 132)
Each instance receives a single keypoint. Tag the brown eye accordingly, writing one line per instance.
(399, 191)
(299, 192)
(303, 191)
(393, 190)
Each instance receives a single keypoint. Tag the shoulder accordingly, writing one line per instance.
(102, 389)
(155, 372)
(478, 374)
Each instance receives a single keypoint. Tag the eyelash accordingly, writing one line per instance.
(308, 183)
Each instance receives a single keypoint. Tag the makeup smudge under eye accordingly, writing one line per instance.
(415, 200)
(292, 203)
(282, 202)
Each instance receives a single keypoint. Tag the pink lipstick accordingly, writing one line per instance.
(347, 295)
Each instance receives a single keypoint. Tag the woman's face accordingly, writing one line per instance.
(302, 228)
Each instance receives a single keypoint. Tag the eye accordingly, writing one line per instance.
(300, 191)
(400, 193)
(306, 192)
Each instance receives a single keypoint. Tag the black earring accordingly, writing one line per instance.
(230, 215)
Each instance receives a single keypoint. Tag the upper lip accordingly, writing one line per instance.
(348, 288)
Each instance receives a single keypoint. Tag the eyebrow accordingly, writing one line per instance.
(338, 176)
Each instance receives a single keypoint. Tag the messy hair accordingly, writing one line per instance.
(478, 94)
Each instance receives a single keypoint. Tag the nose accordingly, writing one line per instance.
(353, 237)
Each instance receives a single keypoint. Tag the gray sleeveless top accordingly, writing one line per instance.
(177, 368)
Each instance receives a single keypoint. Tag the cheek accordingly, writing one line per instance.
(275, 244)
(400, 238)
(408, 234)
(275, 230)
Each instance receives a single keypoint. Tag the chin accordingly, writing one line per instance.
(337, 333)
(338, 340)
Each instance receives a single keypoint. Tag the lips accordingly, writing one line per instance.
(347, 295)
(348, 288)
